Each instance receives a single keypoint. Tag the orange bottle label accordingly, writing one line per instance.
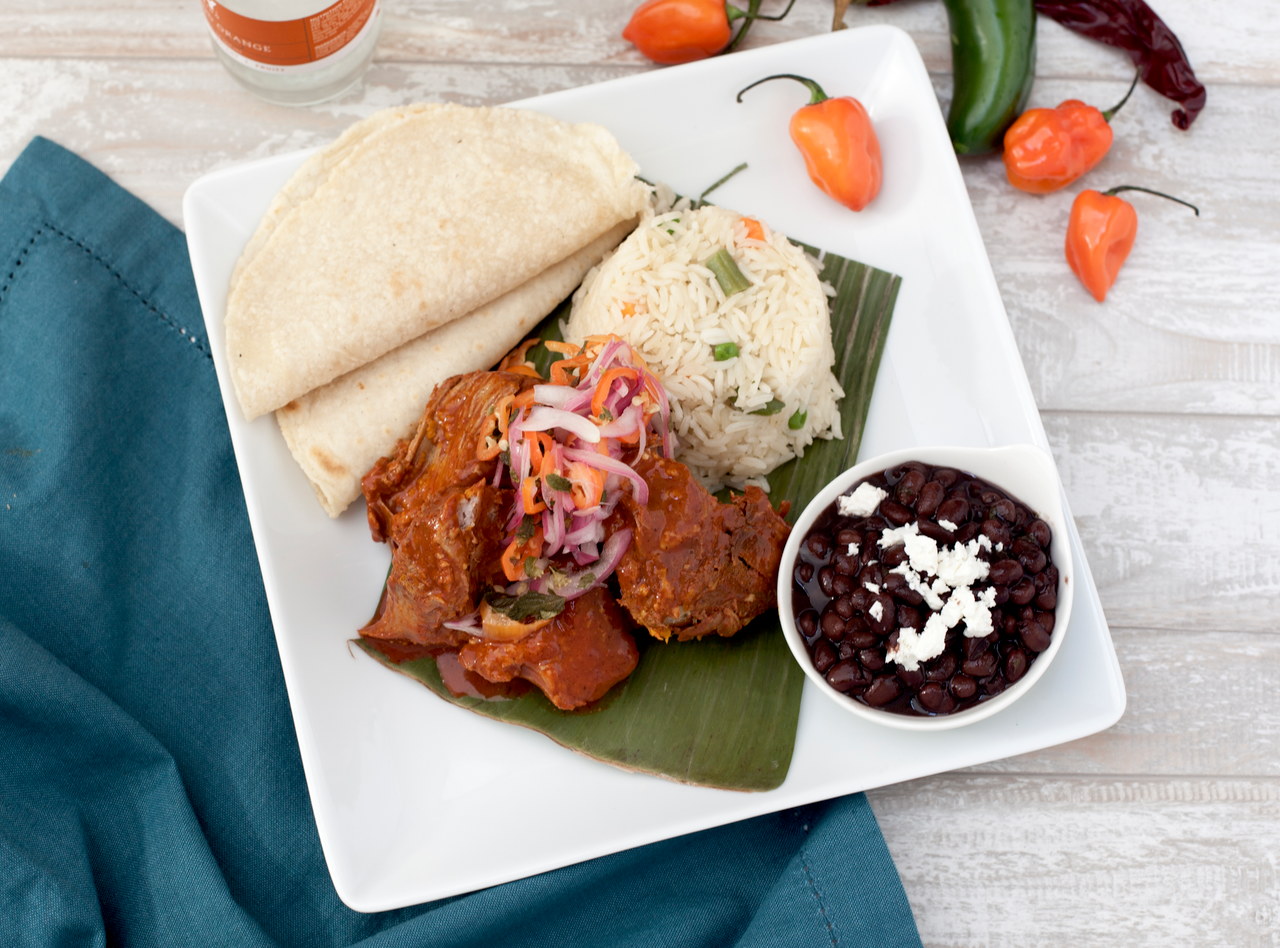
(289, 42)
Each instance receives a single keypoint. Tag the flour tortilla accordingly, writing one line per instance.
(412, 219)
(338, 431)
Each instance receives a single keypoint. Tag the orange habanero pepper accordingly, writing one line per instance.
(1047, 149)
(838, 143)
(681, 31)
(1100, 234)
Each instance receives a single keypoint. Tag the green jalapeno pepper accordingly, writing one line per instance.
(993, 56)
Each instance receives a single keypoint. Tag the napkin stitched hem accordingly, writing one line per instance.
(817, 896)
(68, 198)
(98, 258)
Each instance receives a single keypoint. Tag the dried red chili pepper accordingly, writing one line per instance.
(1100, 234)
(838, 143)
(1047, 149)
(681, 31)
(1133, 26)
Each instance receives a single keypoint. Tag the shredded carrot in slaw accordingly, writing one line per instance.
(567, 446)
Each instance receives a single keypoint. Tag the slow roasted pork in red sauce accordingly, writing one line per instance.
(575, 659)
(694, 566)
(697, 566)
(431, 501)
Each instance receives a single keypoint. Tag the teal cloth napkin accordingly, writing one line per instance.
(151, 791)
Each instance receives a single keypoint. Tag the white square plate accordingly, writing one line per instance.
(389, 765)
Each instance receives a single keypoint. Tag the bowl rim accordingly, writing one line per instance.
(1023, 463)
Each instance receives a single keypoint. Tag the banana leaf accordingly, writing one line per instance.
(717, 712)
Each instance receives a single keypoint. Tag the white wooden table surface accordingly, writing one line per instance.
(1162, 406)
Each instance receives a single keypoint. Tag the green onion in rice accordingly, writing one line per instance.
(729, 415)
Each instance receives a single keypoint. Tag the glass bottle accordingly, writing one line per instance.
(294, 52)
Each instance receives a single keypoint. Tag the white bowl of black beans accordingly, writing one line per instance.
(936, 596)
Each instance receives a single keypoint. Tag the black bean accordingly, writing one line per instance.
(1033, 635)
(896, 513)
(953, 509)
(908, 596)
(843, 607)
(1004, 509)
(846, 676)
(826, 579)
(963, 687)
(832, 626)
(841, 584)
(930, 496)
(996, 532)
(888, 613)
(946, 476)
(804, 572)
(911, 680)
(818, 545)
(847, 536)
(936, 532)
(940, 668)
(909, 616)
(824, 655)
(893, 556)
(872, 659)
(980, 666)
(934, 697)
(1039, 531)
(1023, 591)
(1029, 555)
(1047, 578)
(807, 622)
(1005, 572)
(908, 489)
(882, 690)
(844, 563)
(1015, 665)
(1048, 599)
(862, 638)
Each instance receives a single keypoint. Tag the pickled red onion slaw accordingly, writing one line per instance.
(566, 445)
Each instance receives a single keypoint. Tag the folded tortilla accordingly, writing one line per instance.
(411, 219)
(338, 431)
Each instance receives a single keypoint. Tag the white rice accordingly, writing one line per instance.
(656, 292)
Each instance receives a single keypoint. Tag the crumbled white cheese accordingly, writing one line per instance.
(913, 582)
(876, 611)
(871, 588)
(960, 566)
(862, 502)
(916, 647)
(947, 525)
(936, 572)
(851, 549)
